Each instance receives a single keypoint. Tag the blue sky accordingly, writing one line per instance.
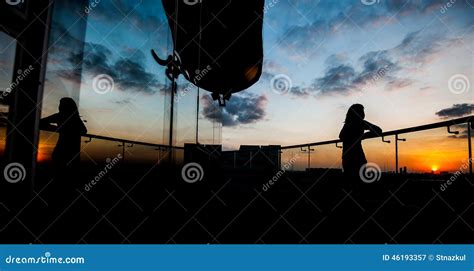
(395, 57)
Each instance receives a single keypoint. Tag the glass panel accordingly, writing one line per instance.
(7, 62)
(434, 151)
(63, 71)
(123, 89)
(294, 159)
(186, 104)
(210, 121)
(381, 153)
(141, 154)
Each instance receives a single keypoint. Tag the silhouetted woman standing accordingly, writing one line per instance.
(352, 134)
(70, 128)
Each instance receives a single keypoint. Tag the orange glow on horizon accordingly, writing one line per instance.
(44, 152)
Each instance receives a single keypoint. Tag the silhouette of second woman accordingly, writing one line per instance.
(70, 128)
(352, 134)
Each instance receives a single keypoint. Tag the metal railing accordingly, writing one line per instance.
(123, 143)
(469, 121)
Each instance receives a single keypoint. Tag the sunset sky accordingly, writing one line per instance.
(408, 62)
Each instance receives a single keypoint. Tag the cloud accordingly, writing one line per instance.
(338, 79)
(376, 64)
(139, 13)
(457, 110)
(343, 15)
(306, 38)
(418, 48)
(386, 67)
(129, 73)
(342, 78)
(240, 110)
(302, 92)
(462, 133)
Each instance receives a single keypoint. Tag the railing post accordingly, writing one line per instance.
(309, 150)
(396, 152)
(309, 156)
(469, 145)
(123, 152)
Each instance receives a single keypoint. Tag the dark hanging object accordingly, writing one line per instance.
(217, 44)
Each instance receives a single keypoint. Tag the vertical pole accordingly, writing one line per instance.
(197, 116)
(396, 153)
(173, 89)
(469, 145)
(123, 152)
(309, 157)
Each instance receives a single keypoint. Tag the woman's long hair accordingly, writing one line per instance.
(355, 114)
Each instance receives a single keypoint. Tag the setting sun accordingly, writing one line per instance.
(434, 168)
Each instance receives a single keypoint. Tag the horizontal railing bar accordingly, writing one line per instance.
(124, 141)
(394, 132)
(328, 142)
